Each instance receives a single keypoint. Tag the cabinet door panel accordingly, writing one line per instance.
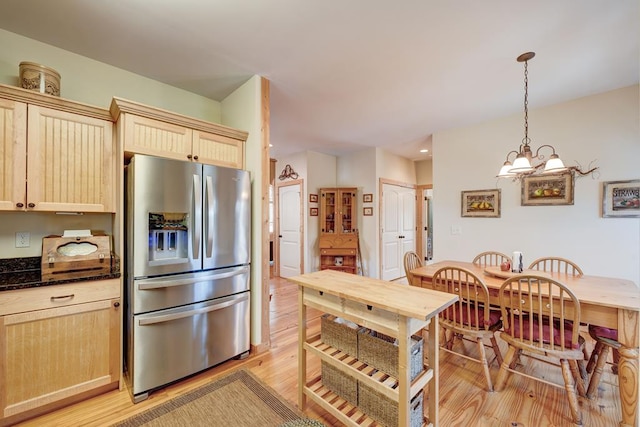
(53, 354)
(156, 138)
(13, 154)
(218, 150)
(70, 162)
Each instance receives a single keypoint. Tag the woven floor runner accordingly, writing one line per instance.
(238, 399)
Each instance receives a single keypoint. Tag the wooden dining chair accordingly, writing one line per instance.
(470, 317)
(411, 261)
(556, 264)
(605, 339)
(541, 317)
(490, 258)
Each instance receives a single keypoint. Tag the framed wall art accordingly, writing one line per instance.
(481, 203)
(313, 198)
(368, 212)
(547, 190)
(621, 199)
(367, 198)
(313, 211)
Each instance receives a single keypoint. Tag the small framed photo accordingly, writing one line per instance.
(368, 212)
(313, 211)
(621, 199)
(481, 203)
(547, 190)
(313, 198)
(367, 198)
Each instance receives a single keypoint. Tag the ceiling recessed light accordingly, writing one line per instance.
(270, 145)
(424, 150)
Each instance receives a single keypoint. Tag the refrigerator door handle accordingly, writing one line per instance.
(159, 284)
(196, 224)
(191, 313)
(209, 216)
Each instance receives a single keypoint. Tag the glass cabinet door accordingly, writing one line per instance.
(328, 211)
(347, 211)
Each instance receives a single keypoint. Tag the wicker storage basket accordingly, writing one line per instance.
(379, 351)
(384, 410)
(340, 383)
(339, 335)
(39, 78)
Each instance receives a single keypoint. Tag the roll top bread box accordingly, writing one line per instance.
(75, 257)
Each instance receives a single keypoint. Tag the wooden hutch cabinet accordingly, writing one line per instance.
(338, 243)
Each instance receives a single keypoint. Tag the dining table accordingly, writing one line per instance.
(605, 301)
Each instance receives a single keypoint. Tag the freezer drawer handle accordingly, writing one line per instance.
(191, 313)
(159, 284)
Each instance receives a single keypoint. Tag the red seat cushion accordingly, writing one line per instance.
(514, 330)
(602, 332)
(452, 313)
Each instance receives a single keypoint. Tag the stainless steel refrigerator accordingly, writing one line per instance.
(187, 269)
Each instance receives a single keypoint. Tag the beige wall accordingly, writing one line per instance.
(321, 173)
(601, 130)
(424, 172)
(95, 83)
(242, 110)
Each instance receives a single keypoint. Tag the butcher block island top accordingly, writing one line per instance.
(409, 301)
(399, 311)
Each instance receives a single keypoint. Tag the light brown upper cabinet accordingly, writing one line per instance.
(57, 154)
(153, 131)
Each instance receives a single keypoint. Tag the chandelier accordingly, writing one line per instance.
(523, 163)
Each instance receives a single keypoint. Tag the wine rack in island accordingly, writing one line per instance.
(397, 311)
(338, 243)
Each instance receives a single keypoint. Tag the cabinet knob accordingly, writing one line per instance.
(116, 304)
(31, 205)
(20, 205)
(195, 157)
(189, 156)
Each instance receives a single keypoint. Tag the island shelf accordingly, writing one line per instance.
(398, 311)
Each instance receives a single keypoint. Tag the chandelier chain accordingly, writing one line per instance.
(526, 139)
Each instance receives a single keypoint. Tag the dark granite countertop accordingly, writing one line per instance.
(22, 273)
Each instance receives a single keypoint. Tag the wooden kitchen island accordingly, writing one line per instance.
(396, 310)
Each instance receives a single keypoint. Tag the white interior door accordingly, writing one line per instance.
(398, 228)
(290, 229)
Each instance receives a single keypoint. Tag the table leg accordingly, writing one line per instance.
(433, 349)
(628, 332)
(628, 380)
(302, 354)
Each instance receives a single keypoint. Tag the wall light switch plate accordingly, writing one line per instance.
(22, 239)
(456, 229)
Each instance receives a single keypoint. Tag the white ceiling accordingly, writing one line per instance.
(351, 74)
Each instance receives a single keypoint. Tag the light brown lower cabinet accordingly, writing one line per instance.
(59, 344)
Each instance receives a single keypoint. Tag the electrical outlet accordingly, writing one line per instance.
(22, 239)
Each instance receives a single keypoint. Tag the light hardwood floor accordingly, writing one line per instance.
(463, 398)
